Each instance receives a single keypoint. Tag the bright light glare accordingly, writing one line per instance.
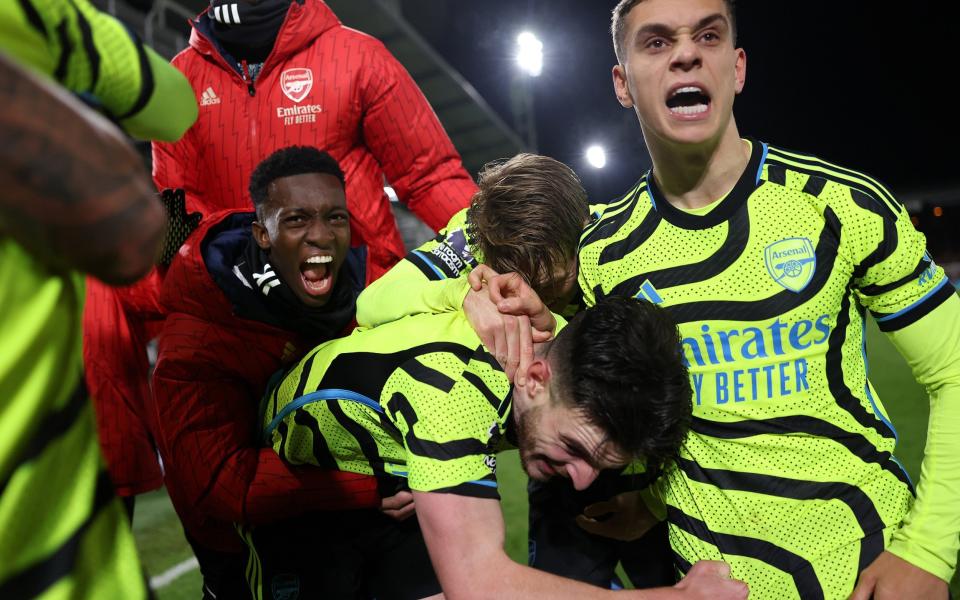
(530, 54)
(597, 157)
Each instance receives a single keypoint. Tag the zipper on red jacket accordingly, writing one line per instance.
(247, 79)
(250, 89)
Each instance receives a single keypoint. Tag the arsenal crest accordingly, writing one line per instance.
(791, 262)
(296, 83)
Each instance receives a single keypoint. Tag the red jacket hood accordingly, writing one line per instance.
(188, 286)
(306, 21)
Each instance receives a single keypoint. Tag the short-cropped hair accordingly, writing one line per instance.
(620, 363)
(289, 161)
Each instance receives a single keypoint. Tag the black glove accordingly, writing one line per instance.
(179, 224)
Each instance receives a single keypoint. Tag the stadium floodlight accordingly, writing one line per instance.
(597, 156)
(530, 54)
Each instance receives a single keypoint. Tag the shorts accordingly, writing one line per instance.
(349, 555)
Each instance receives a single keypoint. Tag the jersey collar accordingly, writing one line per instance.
(749, 181)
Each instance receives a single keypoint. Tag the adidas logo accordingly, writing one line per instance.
(226, 13)
(649, 293)
(209, 97)
(267, 280)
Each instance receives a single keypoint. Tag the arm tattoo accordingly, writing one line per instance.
(74, 191)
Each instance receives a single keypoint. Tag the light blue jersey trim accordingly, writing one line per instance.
(429, 262)
(763, 160)
(492, 484)
(653, 200)
(320, 396)
(866, 384)
(649, 293)
(873, 404)
(942, 283)
(904, 469)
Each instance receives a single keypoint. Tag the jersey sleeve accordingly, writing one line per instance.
(451, 426)
(588, 271)
(894, 277)
(97, 57)
(430, 279)
(911, 299)
(930, 536)
(403, 133)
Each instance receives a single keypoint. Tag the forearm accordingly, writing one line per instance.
(465, 536)
(398, 294)
(929, 536)
(149, 97)
(75, 192)
(513, 580)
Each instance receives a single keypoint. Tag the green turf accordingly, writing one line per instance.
(162, 545)
(161, 542)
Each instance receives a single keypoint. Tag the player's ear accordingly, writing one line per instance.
(740, 70)
(620, 86)
(260, 235)
(538, 377)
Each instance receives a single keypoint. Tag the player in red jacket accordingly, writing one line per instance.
(287, 73)
(242, 304)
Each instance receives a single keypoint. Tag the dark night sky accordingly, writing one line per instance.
(863, 87)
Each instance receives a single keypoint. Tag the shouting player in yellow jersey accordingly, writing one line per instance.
(75, 199)
(769, 261)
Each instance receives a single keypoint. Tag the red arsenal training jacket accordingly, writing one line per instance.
(327, 86)
(211, 371)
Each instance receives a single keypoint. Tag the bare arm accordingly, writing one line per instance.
(465, 537)
(75, 193)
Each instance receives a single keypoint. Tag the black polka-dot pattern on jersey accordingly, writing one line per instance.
(782, 404)
(449, 418)
(422, 405)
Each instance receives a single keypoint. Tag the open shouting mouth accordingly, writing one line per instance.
(688, 100)
(317, 275)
